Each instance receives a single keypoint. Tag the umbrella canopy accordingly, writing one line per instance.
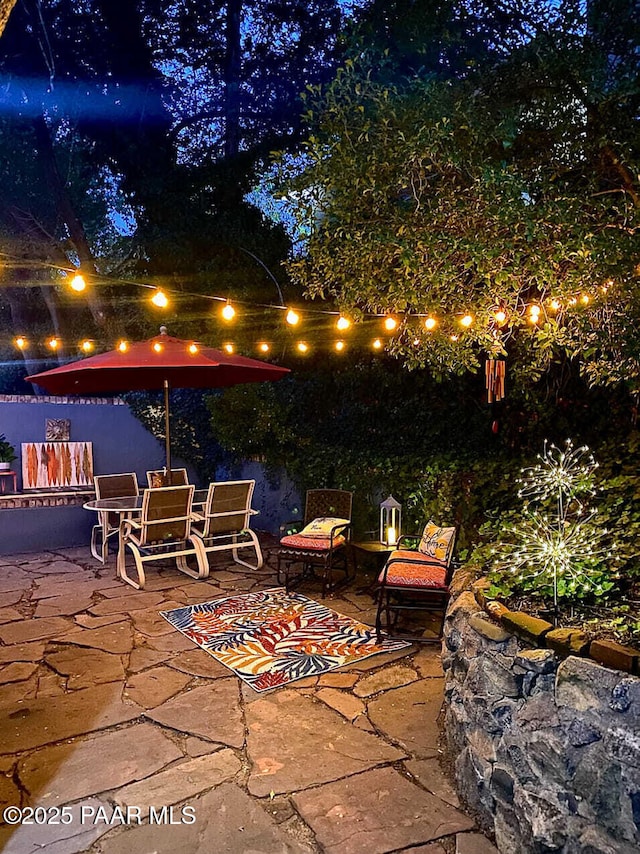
(161, 362)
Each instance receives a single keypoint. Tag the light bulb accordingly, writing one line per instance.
(453, 337)
(302, 347)
(500, 316)
(228, 312)
(229, 348)
(292, 317)
(555, 304)
(343, 323)
(53, 343)
(21, 342)
(339, 345)
(377, 344)
(157, 347)
(193, 349)
(86, 345)
(264, 347)
(430, 323)
(466, 321)
(585, 299)
(159, 299)
(78, 283)
(123, 346)
(390, 324)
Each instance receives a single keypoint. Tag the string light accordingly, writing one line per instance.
(193, 348)
(123, 346)
(78, 283)
(229, 348)
(157, 347)
(499, 313)
(303, 347)
(159, 299)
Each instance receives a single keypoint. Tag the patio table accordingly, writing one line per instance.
(127, 505)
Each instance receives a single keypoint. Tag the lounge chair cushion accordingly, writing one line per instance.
(307, 543)
(412, 569)
(437, 542)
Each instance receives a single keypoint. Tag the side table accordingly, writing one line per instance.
(3, 483)
(375, 552)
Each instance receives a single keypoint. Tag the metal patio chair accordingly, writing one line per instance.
(163, 531)
(156, 479)
(319, 540)
(416, 577)
(110, 486)
(224, 523)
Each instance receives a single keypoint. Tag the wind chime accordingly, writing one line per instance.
(494, 371)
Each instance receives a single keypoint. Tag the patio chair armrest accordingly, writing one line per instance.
(127, 525)
(337, 531)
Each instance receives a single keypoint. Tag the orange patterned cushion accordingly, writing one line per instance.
(412, 569)
(316, 544)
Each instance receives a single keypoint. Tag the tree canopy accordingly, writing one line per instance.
(500, 175)
(131, 135)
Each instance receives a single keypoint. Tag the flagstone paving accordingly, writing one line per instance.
(144, 742)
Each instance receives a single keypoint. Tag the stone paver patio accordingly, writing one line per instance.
(129, 738)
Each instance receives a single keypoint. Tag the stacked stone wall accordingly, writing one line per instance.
(546, 748)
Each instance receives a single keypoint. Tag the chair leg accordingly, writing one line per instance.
(279, 572)
(122, 569)
(255, 544)
(379, 616)
(93, 545)
(201, 557)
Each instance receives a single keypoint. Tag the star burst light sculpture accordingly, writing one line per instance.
(557, 548)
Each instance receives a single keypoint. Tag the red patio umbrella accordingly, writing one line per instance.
(161, 362)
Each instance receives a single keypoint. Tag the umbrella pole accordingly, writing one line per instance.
(167, 437)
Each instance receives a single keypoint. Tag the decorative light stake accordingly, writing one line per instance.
(390, 521)
(557, 549)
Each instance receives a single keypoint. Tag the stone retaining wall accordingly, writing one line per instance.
(546, 748)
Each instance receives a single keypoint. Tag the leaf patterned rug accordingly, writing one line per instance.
(271, 637)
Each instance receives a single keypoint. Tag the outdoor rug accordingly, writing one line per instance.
(270, 638)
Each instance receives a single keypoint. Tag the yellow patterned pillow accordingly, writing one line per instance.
(322, 526)
(437, 542)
